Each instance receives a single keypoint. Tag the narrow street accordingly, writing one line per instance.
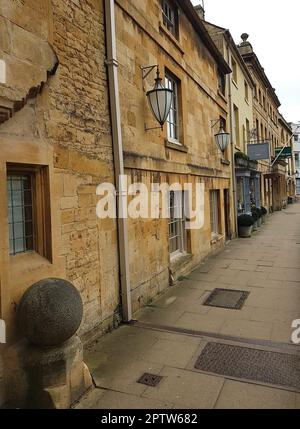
(173, 331)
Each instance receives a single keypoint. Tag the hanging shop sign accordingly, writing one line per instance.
(258, 152)
(285, 153)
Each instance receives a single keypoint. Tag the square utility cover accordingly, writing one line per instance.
(150, 379)
(245, 363)
(227, 298)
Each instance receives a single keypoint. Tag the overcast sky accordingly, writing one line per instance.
(274, 29)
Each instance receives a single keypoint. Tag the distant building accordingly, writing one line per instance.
(239, 93)
(267, 128)
(296, 149)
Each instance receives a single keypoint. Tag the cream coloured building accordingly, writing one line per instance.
(239, 94)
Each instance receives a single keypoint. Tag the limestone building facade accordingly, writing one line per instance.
(57, 146)
(171, 35)
(266, 126)
(240, 94)
(55, 140)
(296, 154)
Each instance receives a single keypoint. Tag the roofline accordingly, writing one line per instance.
(230, 40)
(256, 63)
(285, 123)
(239, 56)
(195, 20)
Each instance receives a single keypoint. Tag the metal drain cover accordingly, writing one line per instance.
(227, 298)
(150, 379)
(251, 364)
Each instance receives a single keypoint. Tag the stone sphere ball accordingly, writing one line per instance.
(50, 312)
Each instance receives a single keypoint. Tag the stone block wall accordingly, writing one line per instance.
(65, 126)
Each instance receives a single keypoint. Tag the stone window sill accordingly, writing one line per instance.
(235, 84)
(20, 262)
(176, 146)
(225, 162)
(171, 37)
(179, 259)
(216, 239)
(222, 96)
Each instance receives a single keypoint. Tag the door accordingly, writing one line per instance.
(227, 214)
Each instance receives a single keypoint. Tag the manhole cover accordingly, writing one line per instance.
(227, 298)
(251, 364)
(150, 379)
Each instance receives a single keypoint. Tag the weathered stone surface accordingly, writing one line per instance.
(50, 312)
(52, 377)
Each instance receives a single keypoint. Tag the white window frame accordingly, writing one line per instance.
(173, 126)
(178, 220)
(214, 203)
(169, 13)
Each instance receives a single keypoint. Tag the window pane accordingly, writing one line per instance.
(172, 119)
(214, 212)
(19, 194)
(177, 231)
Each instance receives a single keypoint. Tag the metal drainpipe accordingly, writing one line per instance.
(115, 113)
(232, 150)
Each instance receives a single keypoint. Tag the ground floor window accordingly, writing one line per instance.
(28, 209)
(214, 212)
(298, 186)
(240, 195)
(252, 193)
(20, 213)
(177, 230)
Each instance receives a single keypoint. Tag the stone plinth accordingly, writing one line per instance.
(52, 377)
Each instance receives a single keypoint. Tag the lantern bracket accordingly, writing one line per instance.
(214, 122)
(153, 128)
(146, 70)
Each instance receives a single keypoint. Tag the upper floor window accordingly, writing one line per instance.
(296, 137)
(236, 126)
(170, 16)
(234, 70)
(221, 82)
(28, 205)
(248, 132)
(173, 119)
(246, 91)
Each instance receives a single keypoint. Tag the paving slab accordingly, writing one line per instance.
(237, 395)
(186, 389)
(268, 266)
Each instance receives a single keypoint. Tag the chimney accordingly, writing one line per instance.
(200, 11)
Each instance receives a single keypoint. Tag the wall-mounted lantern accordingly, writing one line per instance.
(222, 138)
(160, 98)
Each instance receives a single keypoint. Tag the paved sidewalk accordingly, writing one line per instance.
(174, 330)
